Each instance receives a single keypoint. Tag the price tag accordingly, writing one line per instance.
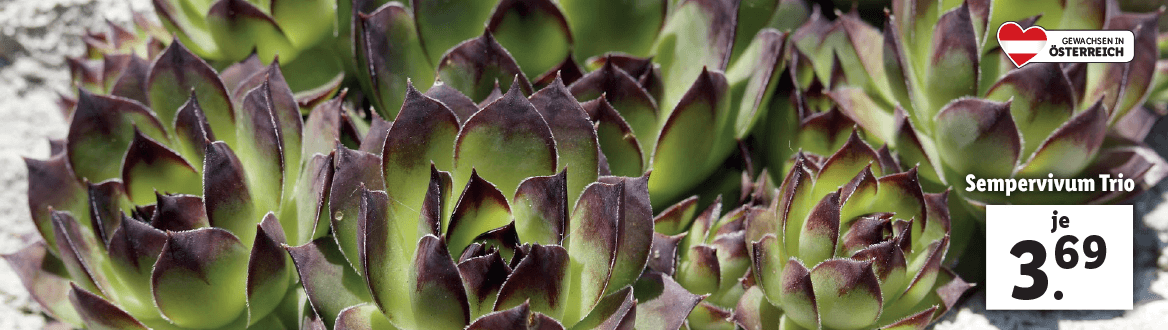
(1071, 257)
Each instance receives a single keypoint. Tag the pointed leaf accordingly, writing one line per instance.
(150, 166)
(693, 141)
(312, 196)
(423, 134)
(355, 171)
(634, 230)
(1067, 151)
(438, 293)
(391, 46)
(576, 142)
(1042, 99)
(192, 132)
(634, 104)
(520, 317)
(483, 276)
(329, 281)
(619, 146)
(952, 67)
(541, 209)
(133, 249)
(475, 65)
(462, 106)
(513, 22)
(662, 303)
(677, 217)
(538, 280)
(52, 187)
(981, 139)
(505, 142)
(363, 317)
(100, 314)
(45, 278)
(102, 129)
(199, 279)
(226, 192)
(798, 296)
(259, 147)
(708, 23)
(175, 74)
(481, 208)
(269, 270)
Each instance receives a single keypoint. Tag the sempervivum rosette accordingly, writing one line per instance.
(936, 88)
(303, 34)
(673, 84)
(850, 243)
(173, 215)
(711, 257)
(116, 61)
(499, 220)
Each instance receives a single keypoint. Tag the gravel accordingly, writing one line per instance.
(35, 35)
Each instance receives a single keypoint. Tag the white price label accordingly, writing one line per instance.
(1069, 257)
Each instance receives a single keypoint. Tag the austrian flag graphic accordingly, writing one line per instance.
(1021, 45)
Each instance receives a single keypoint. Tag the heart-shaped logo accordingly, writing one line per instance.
(1021, 45)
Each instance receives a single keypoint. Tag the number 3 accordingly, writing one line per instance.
(1036, 250)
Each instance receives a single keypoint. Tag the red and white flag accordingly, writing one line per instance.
(1021, 45)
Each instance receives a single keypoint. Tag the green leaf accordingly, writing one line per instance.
(538, 280)
(423, 134)
(269, 270)
(355, 172)
(52, 187)
(699, 34)
(694, 140)
(621, 150)
(540, 208)
(438, 296)
(662, 303)
(847, 293)
(535, 31)
(444, 24)
(476, 65)
(228, 197)
(102, 130)
(330, 282)
(174, 75)
(980, 139)
(247, 28)
(1042, 99)
(1071, 147)
(505, 142)
(200, 278)
(577, 148)
(480, 208)
(43, 275)
(150, 167)
(363, 317)
(390, 48)
(100, 314)
(133, 249)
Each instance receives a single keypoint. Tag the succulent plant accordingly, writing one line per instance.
(710, 257)
(117, 62)
(302, 34)
(849, 242)
(173, 215)
(921, 92)
(508, 251)
(673, 87)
